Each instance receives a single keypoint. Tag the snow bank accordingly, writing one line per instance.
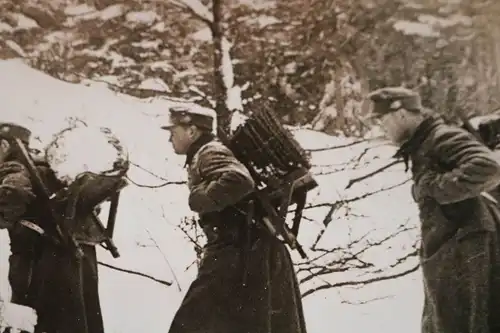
(150, 241)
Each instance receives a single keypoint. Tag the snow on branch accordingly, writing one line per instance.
(197, 8)
(232, 93)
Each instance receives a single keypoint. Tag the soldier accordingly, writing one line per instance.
(43, 275)
(239, 288)
(452, 173)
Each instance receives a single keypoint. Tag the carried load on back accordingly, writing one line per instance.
(280, 168)
(486, 128)
(82, 184)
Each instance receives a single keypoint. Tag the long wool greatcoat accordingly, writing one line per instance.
(460, 254)
(218, 301)
(42, 275)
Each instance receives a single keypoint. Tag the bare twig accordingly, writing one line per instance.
(128, 271)
(339, 146)
(362, 282)
(197, 8)
(353, 199)
(371, 174)
(166, 260)
(371, 300)
(167, 182)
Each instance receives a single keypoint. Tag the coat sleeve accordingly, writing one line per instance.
(225, 181)
(15, 191)
(475, 168)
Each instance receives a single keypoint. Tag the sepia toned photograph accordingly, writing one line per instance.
(249, 166)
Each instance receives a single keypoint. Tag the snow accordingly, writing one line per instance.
(154, 84)
(445, 22)
(262, 21)
(430, 25)
(258, 4)
(233, 98)
(416, 28)
(79, 10)
(17, 316)
(14, 46)
(84, 13)
(197, 7)
(5, 27)
(150, 241)
(202, 35)
(143, 17)
(24, 22)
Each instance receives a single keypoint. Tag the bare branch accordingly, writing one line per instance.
(197, 8)
(349, 259)
(339, 203)
(165, 258)
(371, 174)
(128, 271)
(167, 182)
(371, 300)
(339, 146)
(362, 282)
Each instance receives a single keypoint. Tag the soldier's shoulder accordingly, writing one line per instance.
(445, 137)
(446, 132)
(215, 147)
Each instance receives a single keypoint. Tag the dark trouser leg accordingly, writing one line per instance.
(68, 299)
(20, 274)
(24, 246)
(91, 291)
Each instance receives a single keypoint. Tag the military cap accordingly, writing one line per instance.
(15, 130)
(190, 115)
(391, 99)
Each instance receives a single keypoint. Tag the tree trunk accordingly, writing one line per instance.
(220, 90)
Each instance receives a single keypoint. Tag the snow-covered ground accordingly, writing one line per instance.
(150, 241)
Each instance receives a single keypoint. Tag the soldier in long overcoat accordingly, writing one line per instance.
(238, 289)
(452, 173)
(43, 274)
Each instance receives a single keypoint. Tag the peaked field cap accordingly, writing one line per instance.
(15, 130)
(190, 115)
(391, 99)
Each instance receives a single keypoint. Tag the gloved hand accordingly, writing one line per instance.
(421, 183)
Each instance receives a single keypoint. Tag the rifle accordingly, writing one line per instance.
(44, 196)
(262, 143)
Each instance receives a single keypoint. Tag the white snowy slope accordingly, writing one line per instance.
(150, 241)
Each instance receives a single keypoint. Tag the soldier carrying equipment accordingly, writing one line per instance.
(280, 168)
(222, 191)
(58, 224)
